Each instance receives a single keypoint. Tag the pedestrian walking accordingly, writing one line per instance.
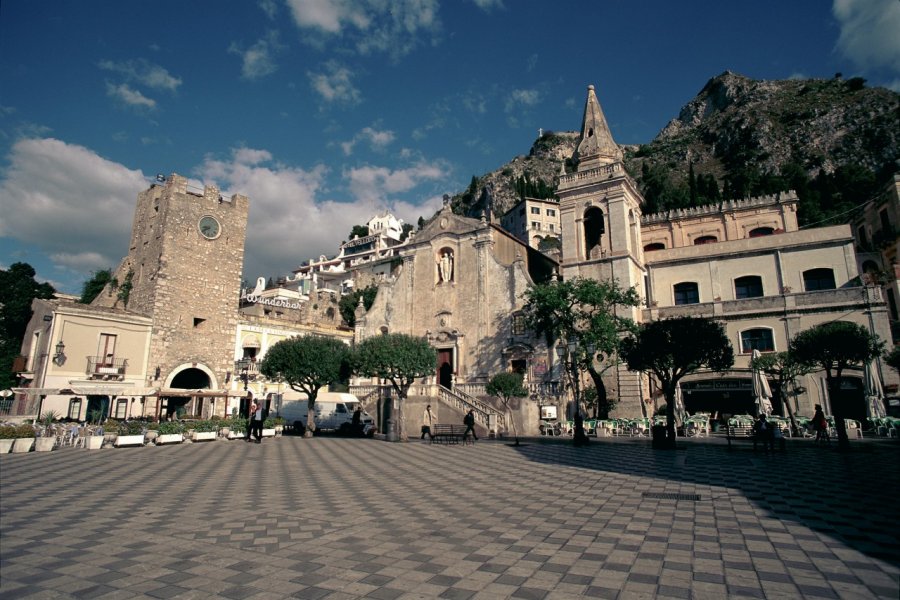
(469, 422)
(820, 425)
(762, 432)
(428, 419)
(356, 422)
(256, 422)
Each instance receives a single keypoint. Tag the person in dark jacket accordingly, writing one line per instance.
(469, 422)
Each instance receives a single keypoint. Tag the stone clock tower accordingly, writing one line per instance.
(183, 270)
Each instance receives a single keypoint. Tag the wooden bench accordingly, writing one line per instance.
(747, 434)
(449, 434)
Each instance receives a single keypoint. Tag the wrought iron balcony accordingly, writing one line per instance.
(107, 368)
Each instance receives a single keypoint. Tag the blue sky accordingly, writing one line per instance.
(325, 112)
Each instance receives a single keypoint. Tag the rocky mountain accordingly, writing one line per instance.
(833, 141)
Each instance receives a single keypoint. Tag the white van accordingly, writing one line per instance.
(334, 411)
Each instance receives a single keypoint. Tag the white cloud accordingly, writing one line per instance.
(130, 96)
(522, 98)
(143, 72)
(371, 184)
(870, 32)
(488, 5)
(290, 221)
(77, 207)
(377, 139)
(259, 59)
(269, 7)
(394, 27)
(73, 204)
(335, 84)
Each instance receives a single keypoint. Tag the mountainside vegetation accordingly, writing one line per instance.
(835, 142)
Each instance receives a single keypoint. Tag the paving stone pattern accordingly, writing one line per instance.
(352, 518)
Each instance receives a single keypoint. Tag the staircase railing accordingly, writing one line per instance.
(484, 413)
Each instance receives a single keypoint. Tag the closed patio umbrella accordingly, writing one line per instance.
(680, 412)
(761, 390)
(874, 391)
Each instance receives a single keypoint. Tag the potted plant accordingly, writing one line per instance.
(24, 439)
(152, 432)
(205, 430)
(237, 428)
(46, 438)
(130, 433)
(268, 428)
(7, 437)
(279, 425)
(170, 432)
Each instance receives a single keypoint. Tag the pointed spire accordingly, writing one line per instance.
(596, 146)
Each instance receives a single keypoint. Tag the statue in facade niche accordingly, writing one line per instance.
(445, 267)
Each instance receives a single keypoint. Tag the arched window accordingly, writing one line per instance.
(593, 229)
(757, 339)
(871, 274)
(748, 287)
(687, 292)
(654, 246)
(818, 279)
(761, 231)
(705, 239)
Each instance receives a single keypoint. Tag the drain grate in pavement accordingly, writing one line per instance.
(671, 496)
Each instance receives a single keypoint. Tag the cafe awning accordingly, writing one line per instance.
(42, 391)
(199, 393)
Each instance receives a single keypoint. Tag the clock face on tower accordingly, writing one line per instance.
(210, 228)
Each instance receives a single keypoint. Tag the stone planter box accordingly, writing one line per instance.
(94, 442)
(169, 438)
(268, 432)
(129, 440)
(234, 435)
(6, 446)
(44, 444)
(22, 445)
(204, 436)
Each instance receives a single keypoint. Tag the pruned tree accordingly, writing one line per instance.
(833, 347)
(507, 386)
(398, 358)
(785, 369)
(306, 364)
(589, 310)
(673, 348)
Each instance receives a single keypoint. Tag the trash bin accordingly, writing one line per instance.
(658, 436)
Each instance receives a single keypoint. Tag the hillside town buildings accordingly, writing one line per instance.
(178, 334)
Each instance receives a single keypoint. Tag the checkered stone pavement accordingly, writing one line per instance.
(344, 518)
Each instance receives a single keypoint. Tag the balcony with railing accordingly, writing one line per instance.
(106, 368)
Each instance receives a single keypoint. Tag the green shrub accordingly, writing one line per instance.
(25, 431)
(170, 427)
(205, 426)
(7, 432)
(128, 427)
(238, 425)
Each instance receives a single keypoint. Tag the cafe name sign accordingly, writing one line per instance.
(275, 302)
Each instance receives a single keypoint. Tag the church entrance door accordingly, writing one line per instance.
(445, 367)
